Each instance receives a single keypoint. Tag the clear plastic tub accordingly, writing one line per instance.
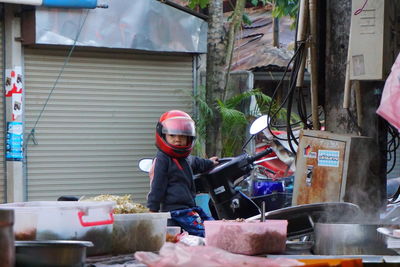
(174, 230)
(25, 225)
(247, 237)
(173, 233)
(67, 220)
(139, 232)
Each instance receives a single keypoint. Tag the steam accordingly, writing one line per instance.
(363, 188)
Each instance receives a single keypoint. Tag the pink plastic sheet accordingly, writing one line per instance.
(389, 107)
(179, 255)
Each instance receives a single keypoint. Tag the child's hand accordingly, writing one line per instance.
(215, 160)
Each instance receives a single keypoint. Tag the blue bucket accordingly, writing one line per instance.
(202, 201)
(266, 187)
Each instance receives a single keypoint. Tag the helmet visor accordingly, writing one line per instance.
(179, 126)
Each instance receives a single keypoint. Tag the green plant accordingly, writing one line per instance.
(235, 118)
(285, 8)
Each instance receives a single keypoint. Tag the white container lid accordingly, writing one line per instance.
(65, 205)
(142, 216)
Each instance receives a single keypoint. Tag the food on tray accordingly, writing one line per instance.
(250, 243)
(29, 234)
(249, 238)
(124, 203)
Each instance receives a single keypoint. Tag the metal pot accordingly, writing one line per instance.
(54, 253)
(301, 218)
(7, 252)
(349, 239)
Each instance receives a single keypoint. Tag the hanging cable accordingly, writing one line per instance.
(296, 60)
(62, 70)
(297, 67)
(392, 145)
(358, 11)
(273, 97)
(292, 87)
(289, 99)
(32, 132)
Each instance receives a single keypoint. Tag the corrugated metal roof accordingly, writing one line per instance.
(180, 2)
(254, 49)
(183, 5)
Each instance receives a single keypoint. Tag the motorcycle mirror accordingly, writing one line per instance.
(259, 124)
(145, 164)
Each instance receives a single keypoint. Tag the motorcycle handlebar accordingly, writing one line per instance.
(260, 155)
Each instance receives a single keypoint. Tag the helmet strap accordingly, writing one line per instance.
(177, 163)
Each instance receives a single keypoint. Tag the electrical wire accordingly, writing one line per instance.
(296, 60)
(354, 121)
(358, 11)
(273, 97)
(288, 101)
(302, 108)
(292, 87)
(32, 132)
(392, 145)
(61, 71)
(293, 124)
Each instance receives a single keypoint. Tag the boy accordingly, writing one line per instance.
(172, 184)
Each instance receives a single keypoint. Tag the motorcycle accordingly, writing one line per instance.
(224, 183)
(272, 179)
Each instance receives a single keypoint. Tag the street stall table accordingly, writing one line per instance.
(367, 260)
(127, 260)
(302, 220)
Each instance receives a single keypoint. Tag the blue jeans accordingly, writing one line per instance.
(191, 220)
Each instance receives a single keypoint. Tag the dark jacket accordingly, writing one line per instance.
(172, 186)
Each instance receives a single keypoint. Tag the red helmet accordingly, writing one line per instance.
(175, 122)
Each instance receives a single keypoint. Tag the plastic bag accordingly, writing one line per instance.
(390, 102)
(179, 255)
(191, 240)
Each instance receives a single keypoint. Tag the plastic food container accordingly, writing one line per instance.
(247, 237)
(174, 230)
(26, 225)
(173, 233)
(139, 232)
(65, 220)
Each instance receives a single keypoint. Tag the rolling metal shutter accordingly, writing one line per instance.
(100, 119)
(3, 187)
